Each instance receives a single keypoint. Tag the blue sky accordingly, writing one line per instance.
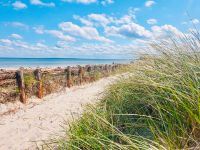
(90, 28)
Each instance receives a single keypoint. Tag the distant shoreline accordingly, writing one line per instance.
(50, 63)
(66, 58)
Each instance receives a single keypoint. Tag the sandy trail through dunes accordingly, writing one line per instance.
(43, 119)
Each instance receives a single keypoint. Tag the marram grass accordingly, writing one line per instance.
(156, 108)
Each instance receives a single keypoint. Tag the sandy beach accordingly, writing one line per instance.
(26, 125)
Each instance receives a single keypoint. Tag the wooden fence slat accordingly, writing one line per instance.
(38, 77)
(80, 74)
(21, 85)
(89, 69)
(106, 68)
(69, 76)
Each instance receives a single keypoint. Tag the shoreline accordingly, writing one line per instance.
(51, 67)
(51, 63)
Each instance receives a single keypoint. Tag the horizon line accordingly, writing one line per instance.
(61, 58)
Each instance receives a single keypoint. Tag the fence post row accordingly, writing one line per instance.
(69, 76)
(21, 85)
(38, 77)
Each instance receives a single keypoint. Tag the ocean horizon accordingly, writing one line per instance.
(14, 63)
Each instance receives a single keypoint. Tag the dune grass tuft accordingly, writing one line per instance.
(156, 107)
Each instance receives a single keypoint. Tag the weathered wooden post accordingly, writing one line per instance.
(80, 74)
(83, 74)
(21, 85)
(38, 77)
(106, 69)
(110, 68)
(69, 76)
(89, 69)
(113, 67)
(95, 68)
(116, 66)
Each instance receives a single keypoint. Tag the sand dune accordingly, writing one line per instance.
(43, 119)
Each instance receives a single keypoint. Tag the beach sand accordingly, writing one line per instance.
(42, 119)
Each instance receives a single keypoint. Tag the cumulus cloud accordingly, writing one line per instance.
(60, 35)
(56, 33)
(63, 49)
(39, 29)
(81, 1)
(21, 45)
(131, 30)
(17, 25)
(149, 3)
(100, 18)
(165, 31)
(5, 42)
(102, 2)
(89, 33)
(106, 2)
(16, 36)
(195, 21)
(19, 5)
(104, 20)
(152, 21)
(40, 3)
(83, 20)
(127, 18)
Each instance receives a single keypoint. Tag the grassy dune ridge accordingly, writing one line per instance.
(156, 107)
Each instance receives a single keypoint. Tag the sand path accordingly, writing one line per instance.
(41, 120)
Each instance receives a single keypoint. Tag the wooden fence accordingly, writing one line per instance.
(24, 83)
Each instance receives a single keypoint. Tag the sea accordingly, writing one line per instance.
(15, 63)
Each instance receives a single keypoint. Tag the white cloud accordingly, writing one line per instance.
(6, 42)
(152, 21)
(81, 1)
(195, 21)
(100, 18)
(64, 49)
(104, 20)
(124, 20)
(131, 30)
(106, 2)
(39, 29)
(184, 23)
(19, 5)
(39, 2)
(83, 20)
(60, 35)
(128, 18)
(16, 36)
(56, 33)
(165, 31)
(149, 3)
(41, 45)
(17, 25)
(85, 32)
(102, 2)
(19, 45)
